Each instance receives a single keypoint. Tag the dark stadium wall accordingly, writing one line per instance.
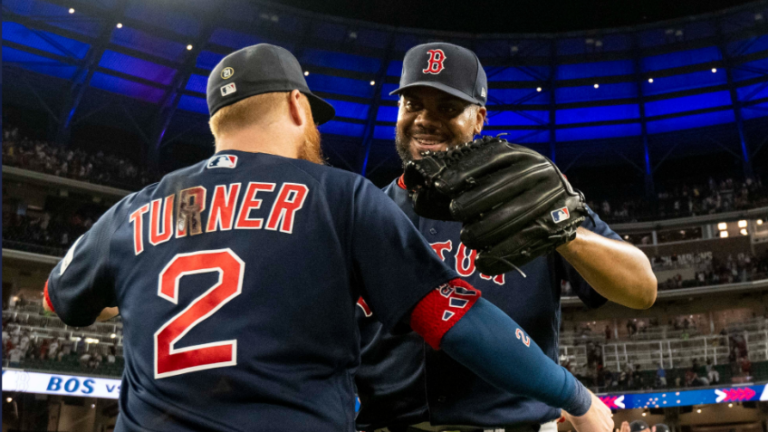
(720, 247)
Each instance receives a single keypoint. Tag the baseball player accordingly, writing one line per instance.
(237, 278)
(404, 383)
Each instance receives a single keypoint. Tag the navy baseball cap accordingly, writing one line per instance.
(661, 427)
(259, 69)
(446, 67)
(638, 426)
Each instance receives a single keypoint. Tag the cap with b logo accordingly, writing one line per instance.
(446, 67)
(259, 69)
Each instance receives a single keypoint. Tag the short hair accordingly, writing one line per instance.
(252, 110)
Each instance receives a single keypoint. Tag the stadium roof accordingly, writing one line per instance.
(562, 94)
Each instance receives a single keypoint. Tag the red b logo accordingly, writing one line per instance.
(436, 59)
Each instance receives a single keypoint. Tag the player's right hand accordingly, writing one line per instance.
(597, 419)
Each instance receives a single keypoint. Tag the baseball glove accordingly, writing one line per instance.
(514, 203)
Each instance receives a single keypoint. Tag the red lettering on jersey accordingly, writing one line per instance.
(289, 200)
(222, 213)
(251, 203)
(138, 229)
(441, 247)
(465, 264)
(364, 306)
(191, 204)
(156, 236)
(498, 279)
(436, 59)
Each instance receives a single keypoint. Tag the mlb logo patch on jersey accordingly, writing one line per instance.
(222, 161)
(560, 215)
(228, 89)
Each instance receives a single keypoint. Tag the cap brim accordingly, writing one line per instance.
(440, 86)
(322, 111)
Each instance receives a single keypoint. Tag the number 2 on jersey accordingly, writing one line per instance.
(170, 361)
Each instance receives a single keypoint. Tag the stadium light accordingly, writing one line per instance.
(714, 70)
(91, 341)
(306, 73)
(597, 85)
(71, 10)
(698, 410)
(113, 336)
(722, 226)
(744, 231)
(759, 221)
(93, 406)
(742, 224)
(119, 25)
(189, 47)
(650, 80)
(538, 89)
(9, 399)
(373, 82)
(730, 405)
(644, 414)
(723, 234)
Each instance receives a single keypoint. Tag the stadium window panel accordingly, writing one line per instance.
(384, 132)
(339, 61)
(596, 69)
(37, 63)
(689, 81)
(749, 70)
(680, 58)
(194, 104)
(234, 39)
(372, 38)
(589, 93)
(386, 113)
(349, 109)
(137, 67)
(339, 85)
(754, 111)
(521, 136)
(342, 128)
(616, 42)
(594, 114)
(571, 46)
(140, 41)
(21, 35)
(515, 96)
(753, 92)
(517, 73)
(518, 118)
(598, 132)
(208, 60)
(395, 68)
(750, 46)
(699, 30)
(386, 89)
(690, 122)
(652, 38)
(330, 31)
(197, 83)
(491, 48)
(126, 87)
(165, 15)
(687, 103)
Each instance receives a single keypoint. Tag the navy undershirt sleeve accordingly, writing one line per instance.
(486, 342)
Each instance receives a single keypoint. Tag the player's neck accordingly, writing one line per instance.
(271, 139)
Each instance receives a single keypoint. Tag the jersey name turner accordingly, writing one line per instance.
(198, 214)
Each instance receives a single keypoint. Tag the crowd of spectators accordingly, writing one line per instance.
(687, 200)
(743, 267)
(46, 233)
(99, 167)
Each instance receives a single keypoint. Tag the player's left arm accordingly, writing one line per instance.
(80, 288)
(617, 270)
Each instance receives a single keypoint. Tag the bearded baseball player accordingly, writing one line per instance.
(495, 213)
(237, 278)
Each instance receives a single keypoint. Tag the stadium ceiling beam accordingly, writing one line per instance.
(552, 108)
(82, 78)
(639, 77)
(735, 102)
(373, 109)
(170, 102)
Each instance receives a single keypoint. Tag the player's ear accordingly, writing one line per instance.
(481, 116)
(298, 116)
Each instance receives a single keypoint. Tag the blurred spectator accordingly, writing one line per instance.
(661, 376)
(712, 374)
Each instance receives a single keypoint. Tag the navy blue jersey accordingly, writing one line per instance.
(403, 381)
(237, 280)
